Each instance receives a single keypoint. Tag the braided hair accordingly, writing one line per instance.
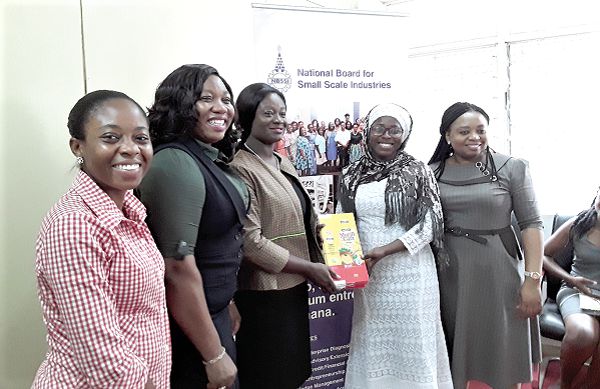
(444, 150)
(584, 221)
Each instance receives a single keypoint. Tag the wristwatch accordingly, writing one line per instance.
(533, 274)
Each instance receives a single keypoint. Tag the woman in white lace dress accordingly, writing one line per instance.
(397, 336)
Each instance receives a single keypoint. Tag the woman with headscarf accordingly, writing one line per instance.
(490, 298)
(397, 337)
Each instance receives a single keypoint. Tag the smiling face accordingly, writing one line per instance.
(269, 122)
(116, 149)
(468, 137)
(215, 111)
(384, 146)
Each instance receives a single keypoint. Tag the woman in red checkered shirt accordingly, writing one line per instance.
(100, 276)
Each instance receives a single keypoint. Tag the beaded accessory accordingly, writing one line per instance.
(215, 359)
(484, 168)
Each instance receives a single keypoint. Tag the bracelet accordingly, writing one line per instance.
(215, 359)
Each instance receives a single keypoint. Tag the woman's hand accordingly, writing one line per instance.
(322, 275)
(221, 373)
(531, 299)
(582, 284)
(378, 253)
(235, 317)
(374, 256)
(531, 292)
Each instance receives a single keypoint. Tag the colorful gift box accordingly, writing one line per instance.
(342, 250)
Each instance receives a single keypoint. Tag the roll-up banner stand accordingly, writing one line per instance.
(329, 62)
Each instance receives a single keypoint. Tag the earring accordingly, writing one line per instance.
(79, 160)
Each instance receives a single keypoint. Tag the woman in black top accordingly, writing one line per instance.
(196, 206)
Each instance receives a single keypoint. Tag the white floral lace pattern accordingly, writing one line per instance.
(397, 337)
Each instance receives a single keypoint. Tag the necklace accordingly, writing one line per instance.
(277, 163)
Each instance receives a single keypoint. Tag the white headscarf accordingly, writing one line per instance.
(411, 191)
(393, 110)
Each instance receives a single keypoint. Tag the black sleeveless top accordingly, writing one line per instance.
(218, 255)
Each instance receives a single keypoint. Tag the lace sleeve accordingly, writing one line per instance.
(419, 235)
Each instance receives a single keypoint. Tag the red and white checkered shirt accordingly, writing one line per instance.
(101, 285)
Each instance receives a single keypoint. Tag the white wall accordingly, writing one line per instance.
(131, 45)
(539, 97)
(40, 70)
(439, 22)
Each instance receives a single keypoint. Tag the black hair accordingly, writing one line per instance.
(247, 104)
(173, 113)
(584, 221)
(443, 149)
(87, 105)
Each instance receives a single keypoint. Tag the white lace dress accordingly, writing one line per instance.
(397, 337)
